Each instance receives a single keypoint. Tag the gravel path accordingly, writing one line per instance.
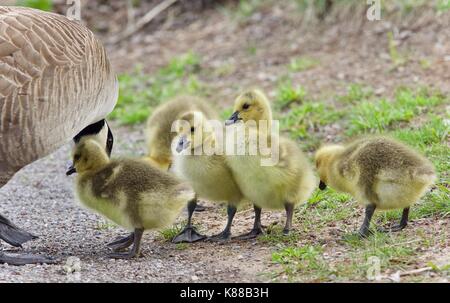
(40, 199)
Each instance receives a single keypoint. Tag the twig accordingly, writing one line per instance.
(143, 21)
(415, 271)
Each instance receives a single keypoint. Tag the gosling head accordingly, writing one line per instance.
(252, 105)
(323, 158)
(193, 130)
(89, 155)
(99, 132)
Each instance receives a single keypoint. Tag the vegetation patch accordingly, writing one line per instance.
(140, 92)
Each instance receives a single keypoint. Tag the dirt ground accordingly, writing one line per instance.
(351, 50)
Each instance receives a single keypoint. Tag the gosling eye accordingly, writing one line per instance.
(246, 106)
(76, 158)
(192, 129)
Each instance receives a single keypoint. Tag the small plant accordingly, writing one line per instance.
(181, 246)
(288, 94)
(443, 6)
(105, 225)
(45, 5)
(302, 64)
(356, 93)
(169, 233)
(274, 235)
(140, 93)
(396, 58)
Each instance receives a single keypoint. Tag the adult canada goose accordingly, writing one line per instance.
(378, 172)
(206, 171)
(132, 193)
(284, 183)
(56, 83)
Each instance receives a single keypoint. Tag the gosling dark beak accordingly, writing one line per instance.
(322, 185)
(233, 119)
(182, 144)
(70, 170)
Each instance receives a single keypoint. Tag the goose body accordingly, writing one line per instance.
(55, 79)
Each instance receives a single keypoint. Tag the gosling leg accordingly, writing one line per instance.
(401, 225)
(135, 250)
(225, 235)
(189, 234)
(364, 231)
(122, 243)
(257, 227)
(289, 214)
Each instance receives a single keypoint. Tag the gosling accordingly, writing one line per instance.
(207, 172)
(131, 193)
(378, 172)
(159, 135)
(283, 184)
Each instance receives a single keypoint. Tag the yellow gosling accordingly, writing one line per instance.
(379, 173)
(131, 193)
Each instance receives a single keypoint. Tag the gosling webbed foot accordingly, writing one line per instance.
(223, 237)
(357, 235)
(395, 228)
(124, 255)
(134, 252)
(286, 231)
(403, 223)
(17, 259)
(200, 208)
(12, 234)
(254, 233)
(188, 235)
(122, 243)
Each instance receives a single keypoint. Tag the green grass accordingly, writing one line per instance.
(287, 94)
(377, 117)
(242, 10)
(443, 6)
(169, 233)
(45, 5)
(303, 261)
(274, 235)
(302, 64)
(304, 120)
(140, 92)
(356, 93)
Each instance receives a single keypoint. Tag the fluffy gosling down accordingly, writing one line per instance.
(159, 133)
(209, 175)
(131, 193)
(287, 182)
(378, 172)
